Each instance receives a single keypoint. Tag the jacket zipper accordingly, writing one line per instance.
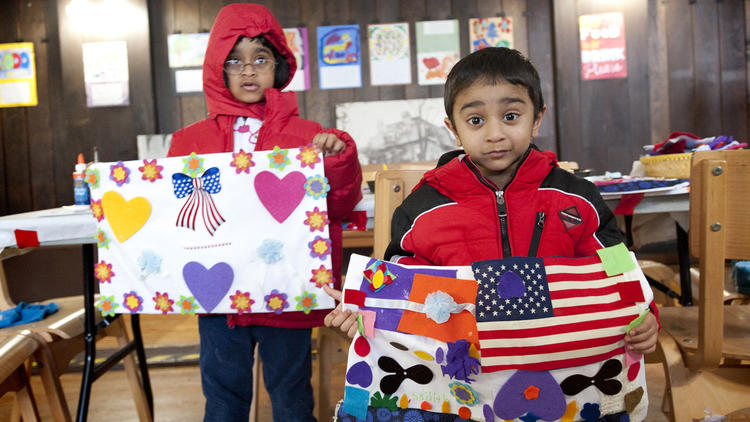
(536, 235)
(502, 214)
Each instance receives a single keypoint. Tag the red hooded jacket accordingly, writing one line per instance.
(282, 126)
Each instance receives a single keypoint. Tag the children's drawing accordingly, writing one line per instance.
(507, 339)
(296, 39)
(213, 234)
(339, 56)
(438, 50)
(490, 32)
(187, 50)
(390, 62)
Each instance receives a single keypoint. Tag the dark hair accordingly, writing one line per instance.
(281, 70)
(492, 65)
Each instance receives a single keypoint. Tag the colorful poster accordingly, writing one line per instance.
(187, 50)
(339, 57)
(490, 32)
(390, 58)
(507, 339)
(603, 46)
(105, 71)
(438, 49)
(17, 75)
(226, 233)
(296, 39)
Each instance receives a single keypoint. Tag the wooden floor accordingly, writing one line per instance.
(177, 391)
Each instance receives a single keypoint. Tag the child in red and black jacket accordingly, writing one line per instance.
(247, 63)
(499, 196)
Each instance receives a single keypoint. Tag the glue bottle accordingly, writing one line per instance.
(80, 189)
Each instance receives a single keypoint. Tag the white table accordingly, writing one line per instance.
(75, 225)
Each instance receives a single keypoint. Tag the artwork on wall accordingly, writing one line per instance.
(396, 131)
(105, 70)
(390, 58)
(490, 32)
(188, 80)
(296, 39)
(438, 49)
(17, 75)
(339, 57)
(187, 50)
(505, 339)
(603, 46)
(213, 233)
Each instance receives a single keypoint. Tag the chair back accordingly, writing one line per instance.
(391, 187)
(719, 230)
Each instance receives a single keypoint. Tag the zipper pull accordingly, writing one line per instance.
(501, 203)
(540, 217)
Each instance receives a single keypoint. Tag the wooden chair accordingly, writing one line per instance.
(61, 337)
(15, 350)
(705, 349)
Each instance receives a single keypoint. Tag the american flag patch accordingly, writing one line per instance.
(573, 313)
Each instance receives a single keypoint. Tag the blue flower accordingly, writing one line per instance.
(438, 306)
(413, 416)
(270, 251)
(149, 263)
(590, 412)
(383, 414)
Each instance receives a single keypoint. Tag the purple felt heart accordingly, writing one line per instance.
(208, 286)
(530, 391)
(511, 285)
(359, 374)
(280, 196)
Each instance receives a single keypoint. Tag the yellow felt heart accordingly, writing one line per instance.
(125, 217)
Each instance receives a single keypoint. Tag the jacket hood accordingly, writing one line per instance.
(235, 21)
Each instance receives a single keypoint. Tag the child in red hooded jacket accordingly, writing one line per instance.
(247, 63)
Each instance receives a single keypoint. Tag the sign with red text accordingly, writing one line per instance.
(603, 46)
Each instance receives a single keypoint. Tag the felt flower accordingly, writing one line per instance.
(242, 161)
(278, 158)
(102, 241)
(319, 247)
(163, 303)
(270, 251)
(276, 302)
(119, 173)
(306, 302)
(387, 401)
(107, 305)
(149, 263)
(378, 275)
(317, 187)
(193, 165)
(103, 272)
(439, 305)
(151, 171)
(463, 393)
(308, 157)
(241, 302)
(187, 305)
(321, 277)
(132, 302)
(590, 412)
(459, 364)
(97, 210)
(92, 178)
(316, 219)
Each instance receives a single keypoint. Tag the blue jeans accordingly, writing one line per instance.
(226, 363)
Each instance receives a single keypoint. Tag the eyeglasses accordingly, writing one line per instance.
(260, 65)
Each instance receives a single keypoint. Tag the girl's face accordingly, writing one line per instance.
(255, 67)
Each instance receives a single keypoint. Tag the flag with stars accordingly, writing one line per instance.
(548, 313)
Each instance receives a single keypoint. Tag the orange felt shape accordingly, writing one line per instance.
(462, 325)
(125, 217)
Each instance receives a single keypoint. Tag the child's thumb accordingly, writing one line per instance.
(335, 294)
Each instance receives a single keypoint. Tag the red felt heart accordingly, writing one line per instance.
(280, 196)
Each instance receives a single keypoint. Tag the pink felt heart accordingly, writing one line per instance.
(280, 196)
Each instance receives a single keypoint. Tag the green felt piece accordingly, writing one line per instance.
(360, 325)
(616, 259)
(636, 322)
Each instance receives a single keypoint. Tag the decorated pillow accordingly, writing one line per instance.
(213, 233)
(522, 339)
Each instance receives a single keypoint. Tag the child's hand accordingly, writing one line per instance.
(329, 143)
(642, 339)
(345, 320)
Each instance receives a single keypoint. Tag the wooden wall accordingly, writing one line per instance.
(687, 71)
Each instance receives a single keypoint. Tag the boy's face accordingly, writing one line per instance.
(249, 86)
(494, 123)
